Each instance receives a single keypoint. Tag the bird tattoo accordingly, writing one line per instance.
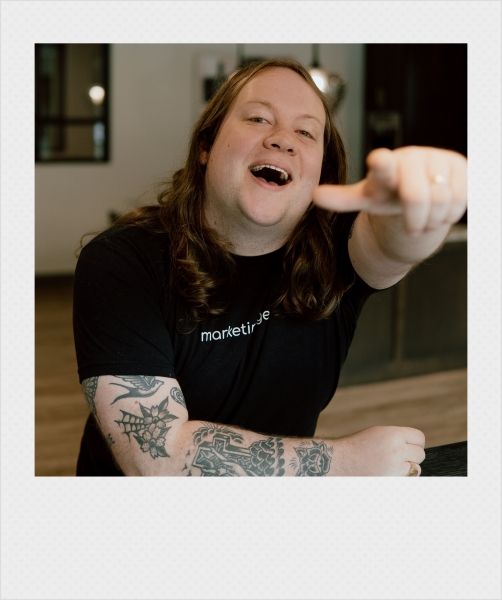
(142, 386)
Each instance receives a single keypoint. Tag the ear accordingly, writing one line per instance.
(203, 157)
(203, 153)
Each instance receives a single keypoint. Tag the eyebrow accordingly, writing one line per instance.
(271, 106)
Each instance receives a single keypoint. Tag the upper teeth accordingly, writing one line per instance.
(283, 173)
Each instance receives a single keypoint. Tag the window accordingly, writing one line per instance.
(72, 102)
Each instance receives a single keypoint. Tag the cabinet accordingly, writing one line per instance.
(416, 94)
(418, 326)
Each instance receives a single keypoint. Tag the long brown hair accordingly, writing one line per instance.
(312, 281)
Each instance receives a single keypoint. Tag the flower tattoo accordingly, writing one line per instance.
(315, 461)
(149, 442)
(150, 429)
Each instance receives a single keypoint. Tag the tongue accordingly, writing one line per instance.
(269, 182)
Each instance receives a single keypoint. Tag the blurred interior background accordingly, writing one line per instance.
(113, 121)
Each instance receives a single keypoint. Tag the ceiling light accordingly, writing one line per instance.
(332, 85)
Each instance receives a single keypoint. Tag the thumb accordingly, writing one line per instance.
(341, 198)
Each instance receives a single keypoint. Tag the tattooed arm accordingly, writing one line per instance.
(145, 421)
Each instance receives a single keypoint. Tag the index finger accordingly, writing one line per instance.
(341, 198)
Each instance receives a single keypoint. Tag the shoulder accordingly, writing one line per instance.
(126, 242)
(128, 236)
(124, 256)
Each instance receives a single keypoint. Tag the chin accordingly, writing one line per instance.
(264, 215)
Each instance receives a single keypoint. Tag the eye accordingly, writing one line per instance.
(258, 120)
(305, 133)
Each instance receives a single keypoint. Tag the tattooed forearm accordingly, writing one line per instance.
(313, 459)
(220, 453)
(219, 457)
(211, 428)
(150, 429)
(178, 397)
(141, 386)
(89, 387)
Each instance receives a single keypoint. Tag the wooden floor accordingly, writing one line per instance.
(436, 404)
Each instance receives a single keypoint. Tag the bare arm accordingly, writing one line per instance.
(382, 252)
(145, 421)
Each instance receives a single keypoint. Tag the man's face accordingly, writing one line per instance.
(276, 120)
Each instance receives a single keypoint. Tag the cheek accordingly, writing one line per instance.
(319, 167)
(313, 170)
(314, 167)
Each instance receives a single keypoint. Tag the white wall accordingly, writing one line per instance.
(153, 106)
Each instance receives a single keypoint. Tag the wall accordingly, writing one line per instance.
(150, 126)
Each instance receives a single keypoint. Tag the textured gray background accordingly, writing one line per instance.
(284, 538)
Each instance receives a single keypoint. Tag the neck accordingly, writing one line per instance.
(257, 246)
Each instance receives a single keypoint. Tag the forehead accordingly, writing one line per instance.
(284, 90)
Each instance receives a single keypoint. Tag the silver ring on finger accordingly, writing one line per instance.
(414, 470)
(440, 179)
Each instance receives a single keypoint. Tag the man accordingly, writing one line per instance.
(239, 291)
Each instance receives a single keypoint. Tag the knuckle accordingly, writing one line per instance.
(412, 152)
(396, 438)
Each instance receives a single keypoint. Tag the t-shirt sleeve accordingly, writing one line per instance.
(351, 307)
(362, 290)
(118, 315)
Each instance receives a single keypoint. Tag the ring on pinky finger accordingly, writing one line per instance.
(440, 179)
(414, 470)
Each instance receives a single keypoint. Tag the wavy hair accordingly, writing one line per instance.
(315, 255)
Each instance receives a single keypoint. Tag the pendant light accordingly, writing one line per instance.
(332, 85)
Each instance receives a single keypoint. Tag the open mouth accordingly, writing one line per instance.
(271, 174)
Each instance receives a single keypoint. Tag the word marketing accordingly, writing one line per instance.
(244, 329)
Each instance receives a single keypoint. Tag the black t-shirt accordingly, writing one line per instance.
(247, 367)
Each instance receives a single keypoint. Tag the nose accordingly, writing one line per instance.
(281, 140)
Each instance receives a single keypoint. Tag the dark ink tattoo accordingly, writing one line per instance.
(150, 429)
(89, 386)
(312, 460)
(110, 440)
(178, 397)
(220, 458)
(143, 386)
(352, 229)
(210, 428)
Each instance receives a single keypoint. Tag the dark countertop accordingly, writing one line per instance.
(445, 461)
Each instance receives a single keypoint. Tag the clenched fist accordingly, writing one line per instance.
(380, 451)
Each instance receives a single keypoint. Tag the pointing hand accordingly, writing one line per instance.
(427, 186)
